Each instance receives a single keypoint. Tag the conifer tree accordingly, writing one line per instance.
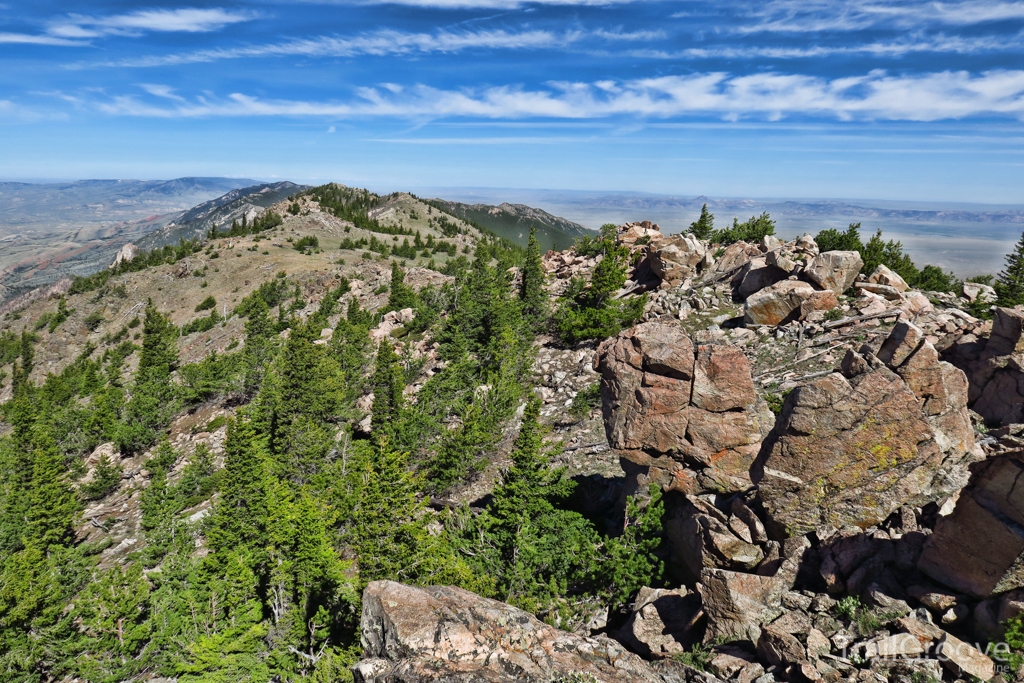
(388, 384)
(52, 507)
(531, 290)
(703, 226)
(388, 518)
(113, 616)
(159, 356)
(153, 396)
(536, 551)
(1010, 283)
(240, 517)
(259, 345)
(400, 295)
(629, 562)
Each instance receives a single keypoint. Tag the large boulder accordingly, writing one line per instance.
(883, 275)
(835, 270)
(440, 633)
(737, 604)
(702, 536)
(974, 291)
(759, 274)
(979, 549)
(677, 258)
(853, 447)
(662, 622)
(777, 304)
(733, 258)
(688, 417)
(994, 368)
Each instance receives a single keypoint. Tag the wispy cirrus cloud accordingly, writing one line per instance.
(30, 39)
(807, 16)
(185, 20)
(772, 96)
(392, 42)
(479, 4)
(892, 48)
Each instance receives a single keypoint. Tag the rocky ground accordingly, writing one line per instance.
(839, 474)
(839, 471)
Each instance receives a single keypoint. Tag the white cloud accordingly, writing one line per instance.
(164, 91)
(799, 16)
(897, 48)
(391, 42)
(28, 39)
(489, 4)
(771, 96)
(187, 20)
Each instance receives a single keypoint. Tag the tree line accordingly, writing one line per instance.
(310, 505)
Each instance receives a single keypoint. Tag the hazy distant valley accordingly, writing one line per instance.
(75, 228)
(966, 238)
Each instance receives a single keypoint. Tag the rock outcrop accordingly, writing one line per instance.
(663, 622)
(835, 270)
(687, 417)
(126, 253)
(445, 634)
(994, 368)
(677, 258)
(853, 447)
(779, 303)
(979, 549)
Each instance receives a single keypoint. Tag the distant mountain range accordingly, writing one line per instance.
(48, 230)
(54, 229)
(968, 238)
(513, 221)
(57, 207)
(197, 221)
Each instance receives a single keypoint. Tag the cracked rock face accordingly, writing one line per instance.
(979, 549)
(852, 447)
(835, 270)
(689, 415)
(995, 368)
(440, 633)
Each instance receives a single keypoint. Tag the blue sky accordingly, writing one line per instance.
(785, 98)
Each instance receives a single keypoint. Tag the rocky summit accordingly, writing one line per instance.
(360, 437)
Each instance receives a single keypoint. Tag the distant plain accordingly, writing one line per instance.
(969, 239)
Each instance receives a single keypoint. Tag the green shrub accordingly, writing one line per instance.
(698, 657)
(206, 304)
(848, 606)
(585, 400)
(307, 243)
(106, 479)
(753, 230)
(93, 321)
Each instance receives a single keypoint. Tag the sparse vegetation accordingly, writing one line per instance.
(890, 254)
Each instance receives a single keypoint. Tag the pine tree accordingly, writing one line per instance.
(536, 551)
(159, 356)
(703, 226)
(1010, 283)
(388, 384)
(389, 524)
(52, 507)
(240, 517)
(259, 346)
(400, 295)
(113, 616)
(154, 398)
(531, 290)
(629, 562)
